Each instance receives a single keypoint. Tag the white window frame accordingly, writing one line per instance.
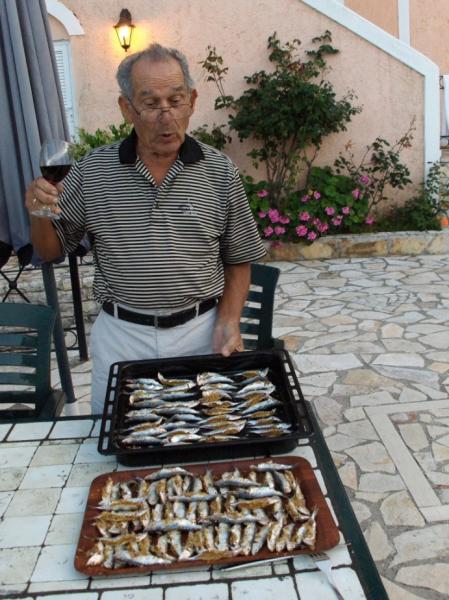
(64, 15)
(64, 63)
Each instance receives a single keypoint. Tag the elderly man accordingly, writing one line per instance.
(171, 230)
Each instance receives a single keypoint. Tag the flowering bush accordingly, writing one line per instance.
(287, 110)
(330, 204)
(427, 209)
(380, 167)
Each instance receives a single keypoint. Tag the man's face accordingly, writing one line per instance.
(159, 85)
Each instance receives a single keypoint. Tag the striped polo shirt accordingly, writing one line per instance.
(158, 247)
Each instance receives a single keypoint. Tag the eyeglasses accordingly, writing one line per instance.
(152, 113)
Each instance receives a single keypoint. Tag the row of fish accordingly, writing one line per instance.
(212, 407)
(173, 515)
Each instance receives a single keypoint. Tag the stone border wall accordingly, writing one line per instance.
(328, 247)
(408, 243)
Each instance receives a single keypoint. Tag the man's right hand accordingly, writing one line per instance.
(40, 193)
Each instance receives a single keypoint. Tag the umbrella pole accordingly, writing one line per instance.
(51, 293)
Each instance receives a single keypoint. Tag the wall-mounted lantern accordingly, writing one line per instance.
(124, 29)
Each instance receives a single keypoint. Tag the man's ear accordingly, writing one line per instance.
(125, 109)
(193, 97)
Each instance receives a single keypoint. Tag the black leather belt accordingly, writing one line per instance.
(162, 321)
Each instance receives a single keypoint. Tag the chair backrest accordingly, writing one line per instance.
(25, 353)
(257, 316)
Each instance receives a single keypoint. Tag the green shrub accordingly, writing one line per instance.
(287, 111)
(216, 137)
(101, 137)
(424, 210)
(380, 168)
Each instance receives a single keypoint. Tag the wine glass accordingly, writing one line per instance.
(56, 158)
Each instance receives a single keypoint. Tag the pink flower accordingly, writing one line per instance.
(284, 219)
(337, 221)
(316, 195)
(268, 231)
(356, 193)
(369, 220)
(301, 230)
(262, 214)
(316, 222)
(304, 216)
(312, 236)
(346, 210)
(262, 193)
(364, 180)
(279, 230)
(323, 227)
(273, 215)
(305, 198)
(329, 210)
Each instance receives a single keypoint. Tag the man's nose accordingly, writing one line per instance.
(165, 113)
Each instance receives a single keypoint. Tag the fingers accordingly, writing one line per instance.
(42, 193)
(228, 349)
(227, 341)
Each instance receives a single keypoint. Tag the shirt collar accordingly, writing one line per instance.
(190, 151)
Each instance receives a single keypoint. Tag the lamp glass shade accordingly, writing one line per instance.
(124, 29)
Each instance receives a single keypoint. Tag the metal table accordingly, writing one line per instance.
(46, 469)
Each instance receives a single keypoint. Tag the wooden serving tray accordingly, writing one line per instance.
(327, 535)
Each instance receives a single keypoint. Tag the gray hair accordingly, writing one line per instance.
(154, 53)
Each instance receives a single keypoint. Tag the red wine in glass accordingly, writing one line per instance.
(56, 157)
(54, 173)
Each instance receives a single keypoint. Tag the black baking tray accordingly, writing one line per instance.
(281, 373)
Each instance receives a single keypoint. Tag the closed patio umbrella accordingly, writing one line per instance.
(31, 109)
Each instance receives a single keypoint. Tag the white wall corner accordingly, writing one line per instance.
(405, 54)
(56, 9)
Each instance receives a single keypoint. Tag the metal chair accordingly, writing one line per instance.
(25, 345)
(257, 316)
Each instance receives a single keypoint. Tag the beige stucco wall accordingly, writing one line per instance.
(429, 30)
(383, 13)
(390, 93)
(429, 24)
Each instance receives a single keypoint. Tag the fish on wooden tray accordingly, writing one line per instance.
(173, 515)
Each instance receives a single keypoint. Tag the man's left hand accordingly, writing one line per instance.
(227, 338)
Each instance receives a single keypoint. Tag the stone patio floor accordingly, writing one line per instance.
(370, 338)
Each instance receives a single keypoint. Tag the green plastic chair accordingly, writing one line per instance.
(257, 316)
(25, 361)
